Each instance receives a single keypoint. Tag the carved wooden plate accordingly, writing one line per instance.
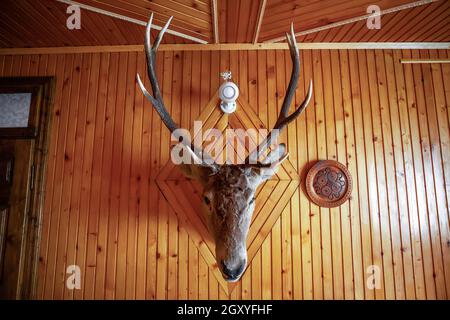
(329, 183)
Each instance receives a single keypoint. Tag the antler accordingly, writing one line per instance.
(284, 119)
(157, 99)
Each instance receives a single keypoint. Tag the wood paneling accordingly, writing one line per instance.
(424, 23)
(428, 22)
(237, 20)
(389, 123)
(310, 14)
(28, 23)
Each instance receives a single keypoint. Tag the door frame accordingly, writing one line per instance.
(38, 130)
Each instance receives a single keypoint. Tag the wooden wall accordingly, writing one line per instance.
(388, 122)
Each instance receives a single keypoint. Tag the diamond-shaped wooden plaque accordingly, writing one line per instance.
(184, 195)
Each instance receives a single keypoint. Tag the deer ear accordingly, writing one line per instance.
(199, 172)
(196, 169)
(274, 158)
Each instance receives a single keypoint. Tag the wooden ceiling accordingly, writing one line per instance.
(424, 23)
(30, 23)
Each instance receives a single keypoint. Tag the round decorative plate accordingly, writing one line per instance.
(329, 183)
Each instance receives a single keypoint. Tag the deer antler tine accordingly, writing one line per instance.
(303, 105)
(148, 38)
(288, 38)
(294, 75)
(150, 20)
(293, 33)
(291, 41)
(145, 91)
(161, 34)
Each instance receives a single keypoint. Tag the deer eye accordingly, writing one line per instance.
(207, 201)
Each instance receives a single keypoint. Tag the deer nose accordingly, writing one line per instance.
(232, 274)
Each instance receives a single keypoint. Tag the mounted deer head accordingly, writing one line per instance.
(228, 189)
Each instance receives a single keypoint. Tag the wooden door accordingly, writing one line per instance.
(24, 132)
(15, 170)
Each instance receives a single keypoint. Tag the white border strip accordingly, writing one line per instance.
(356, 19)
(128, 19)
(261, 10)
(215, 20)
(231, 47)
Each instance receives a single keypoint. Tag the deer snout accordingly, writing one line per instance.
(233, 273)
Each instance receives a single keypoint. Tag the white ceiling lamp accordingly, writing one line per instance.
(228, 93)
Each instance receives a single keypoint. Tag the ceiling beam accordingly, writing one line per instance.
(131, 20)
(230, 47)
(356, 19)
(215, 21)
(261, 10)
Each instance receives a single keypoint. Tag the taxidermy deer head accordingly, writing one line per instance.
(229, 189)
